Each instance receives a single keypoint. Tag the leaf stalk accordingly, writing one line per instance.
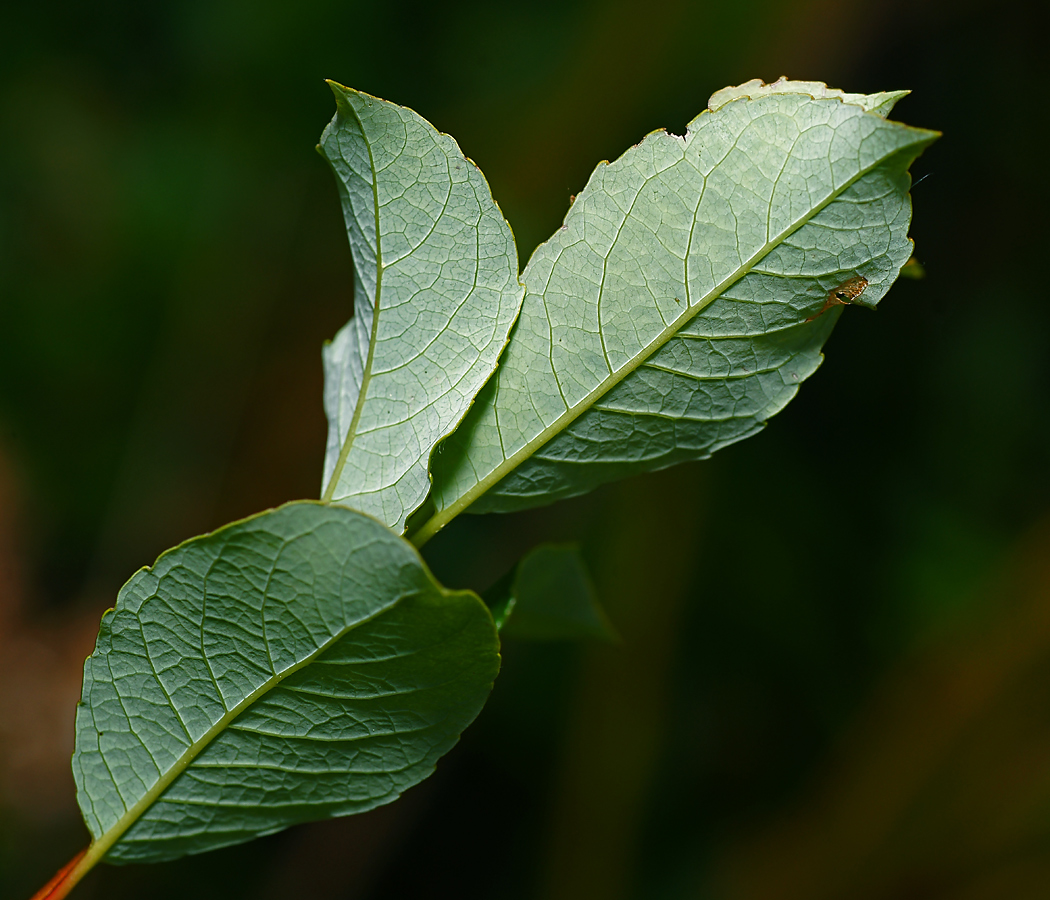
(66, 878)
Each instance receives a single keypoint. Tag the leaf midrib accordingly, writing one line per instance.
(366, 375)
(442, 517)
(102, 844)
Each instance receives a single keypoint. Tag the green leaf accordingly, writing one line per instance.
(881, 104)
(679, 306)
(435, 293)
(500, 599)
(549, 596)
(300, 664)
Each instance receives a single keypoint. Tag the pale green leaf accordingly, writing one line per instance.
(668, 316)
(881, 103)
(435, 293)
(299, 664)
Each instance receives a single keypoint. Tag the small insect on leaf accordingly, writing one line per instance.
(843, 295)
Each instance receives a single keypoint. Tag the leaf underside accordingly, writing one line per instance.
(667, 317)
(303, 663)
(435, 293)
(297, 665)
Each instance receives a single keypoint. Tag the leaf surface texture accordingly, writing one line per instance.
(667, 317)
(435, 293)
(297, 665)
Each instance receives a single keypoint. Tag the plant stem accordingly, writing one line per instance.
(66, 878)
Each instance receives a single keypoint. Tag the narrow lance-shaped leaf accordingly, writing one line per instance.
(679, 306)
(435, 293)
(296, 665)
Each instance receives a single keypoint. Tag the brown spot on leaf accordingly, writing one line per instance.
(843, 295)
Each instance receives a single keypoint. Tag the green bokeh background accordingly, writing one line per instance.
(835, 676)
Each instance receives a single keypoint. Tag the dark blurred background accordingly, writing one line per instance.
(835, 675)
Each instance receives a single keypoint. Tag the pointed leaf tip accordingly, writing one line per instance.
(435, 293)
(549, 596)
(677, 308)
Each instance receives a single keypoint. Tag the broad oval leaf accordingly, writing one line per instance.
(299, 664)
(435, 293)
(679, 306)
